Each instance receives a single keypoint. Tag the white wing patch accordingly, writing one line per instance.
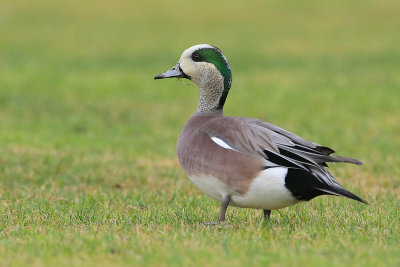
(222, 143)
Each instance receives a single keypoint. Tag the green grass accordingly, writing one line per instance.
(88, 171)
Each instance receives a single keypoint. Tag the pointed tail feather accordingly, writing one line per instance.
(341, 191)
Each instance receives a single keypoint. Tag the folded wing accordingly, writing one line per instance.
(262, 139)
(280, 148)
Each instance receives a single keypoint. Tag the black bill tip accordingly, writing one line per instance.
(159, 76)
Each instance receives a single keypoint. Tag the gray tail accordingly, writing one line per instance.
(332, 187)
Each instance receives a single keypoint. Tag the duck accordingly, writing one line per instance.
(245, 162)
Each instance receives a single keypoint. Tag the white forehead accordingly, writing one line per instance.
(190, 50)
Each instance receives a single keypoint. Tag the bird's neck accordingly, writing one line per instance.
(212, 96)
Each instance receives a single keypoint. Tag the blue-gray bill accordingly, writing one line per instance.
(175, 72)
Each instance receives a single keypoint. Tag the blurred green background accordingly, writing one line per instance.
(88, 171)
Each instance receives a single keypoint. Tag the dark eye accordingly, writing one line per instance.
(196, 57)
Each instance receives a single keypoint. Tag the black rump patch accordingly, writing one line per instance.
(303, 184)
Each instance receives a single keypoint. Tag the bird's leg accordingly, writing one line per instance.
(267, 214)
(224, 205)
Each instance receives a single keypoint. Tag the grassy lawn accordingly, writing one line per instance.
(88, 170)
